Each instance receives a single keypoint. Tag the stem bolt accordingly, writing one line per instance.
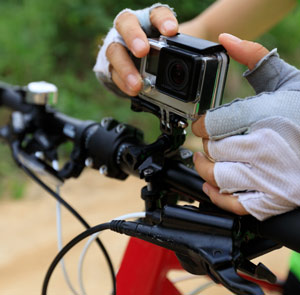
(88, 162)
(148, 172)
(185, 154)
(120, 128)
(182, 124)
(103, 170)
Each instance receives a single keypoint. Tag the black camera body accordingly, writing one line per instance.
(183, 75)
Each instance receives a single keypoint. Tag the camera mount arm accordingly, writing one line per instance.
(170, 123)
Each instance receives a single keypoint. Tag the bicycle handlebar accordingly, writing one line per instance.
(105, 143)
(118, 150)
(14, 100)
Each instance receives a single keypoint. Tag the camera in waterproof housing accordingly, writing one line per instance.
(183, 75)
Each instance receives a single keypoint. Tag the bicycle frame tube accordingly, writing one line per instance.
(144, 270)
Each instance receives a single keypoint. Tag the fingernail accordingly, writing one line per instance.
(169, 25)
(196, 156)
(205, 189)
(132, 81)
(232, 38)
(138, 45)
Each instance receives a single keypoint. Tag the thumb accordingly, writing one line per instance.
(245, 52)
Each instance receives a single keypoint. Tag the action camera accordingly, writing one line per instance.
(183, 75)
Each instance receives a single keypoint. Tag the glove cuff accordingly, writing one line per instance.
(143, 16)
(102, 63)
(266, 73)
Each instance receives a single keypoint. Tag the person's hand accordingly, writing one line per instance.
(131, 29)
(254, 144)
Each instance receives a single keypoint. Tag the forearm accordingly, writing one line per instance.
(247, 19)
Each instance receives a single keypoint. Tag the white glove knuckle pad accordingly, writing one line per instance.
(261, 168)
(101, 67)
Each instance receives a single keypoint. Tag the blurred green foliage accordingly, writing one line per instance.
(57, 41)
(286, 37)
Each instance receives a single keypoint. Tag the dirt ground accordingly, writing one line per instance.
(28, 237)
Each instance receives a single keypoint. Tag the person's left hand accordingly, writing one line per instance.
(253, 156)
(247, 53)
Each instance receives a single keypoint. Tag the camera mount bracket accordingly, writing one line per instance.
(170, 123)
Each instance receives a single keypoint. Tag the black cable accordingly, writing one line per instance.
(78, 216)
(67, 248)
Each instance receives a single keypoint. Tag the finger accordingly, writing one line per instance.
(120, 83)
(205, 168)
(245, 52)
(227, 202)
(128, 26)
(128, 78)
(164, 20)
(199, 129)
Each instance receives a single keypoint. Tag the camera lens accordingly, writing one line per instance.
(178, 74)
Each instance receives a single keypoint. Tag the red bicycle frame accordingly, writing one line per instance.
(144, 270)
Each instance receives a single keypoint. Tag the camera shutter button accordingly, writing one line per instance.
(147, 85)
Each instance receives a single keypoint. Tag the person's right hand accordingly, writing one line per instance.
(133, 28)
(254, 142)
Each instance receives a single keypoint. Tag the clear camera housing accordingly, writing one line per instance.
(183, 75)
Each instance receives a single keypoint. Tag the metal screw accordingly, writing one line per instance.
(103, 170)
(149, 187)
(88, 162)
(148, 172)
(105, 121)
(148, 85)
(184, 154)
(39, 155)
(183, 124)
(55, 165)
(18, 121)
(120, 128)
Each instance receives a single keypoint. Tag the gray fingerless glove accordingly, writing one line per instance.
(281, 82)
(272, 73)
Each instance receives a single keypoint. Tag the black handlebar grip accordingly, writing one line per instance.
(283, 228)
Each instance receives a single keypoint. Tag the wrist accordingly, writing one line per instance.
(265, 75)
